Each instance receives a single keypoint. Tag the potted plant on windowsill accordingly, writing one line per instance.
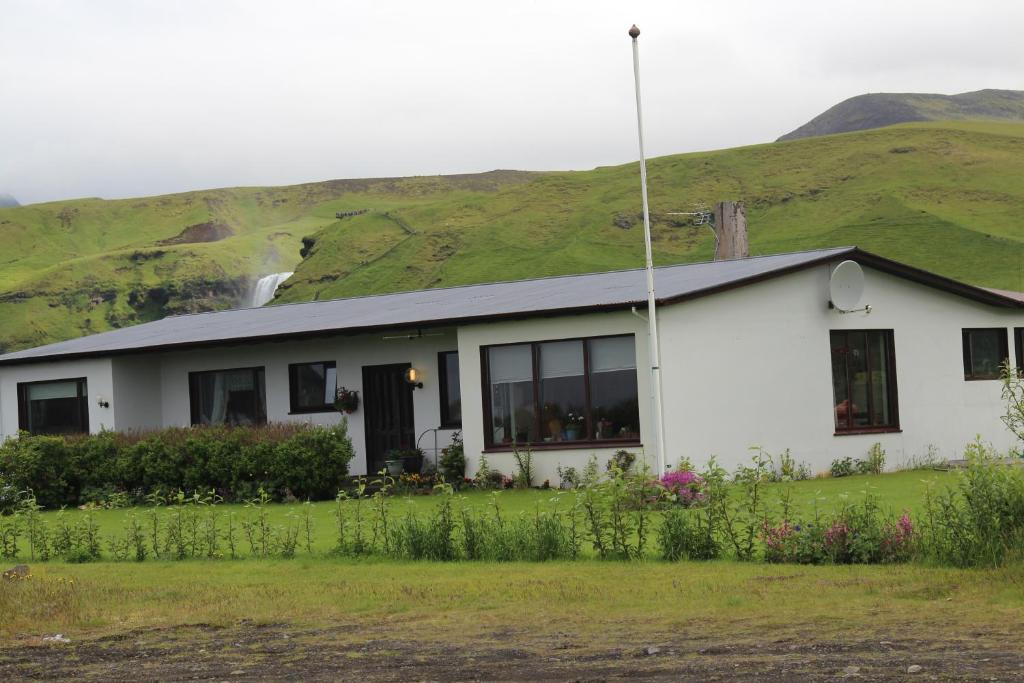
(346, 401)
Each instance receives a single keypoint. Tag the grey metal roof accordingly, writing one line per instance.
(454, 305)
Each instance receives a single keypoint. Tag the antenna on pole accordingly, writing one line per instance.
(652, 321)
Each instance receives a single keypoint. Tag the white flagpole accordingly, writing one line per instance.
(658, 436)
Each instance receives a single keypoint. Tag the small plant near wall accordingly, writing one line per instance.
(346, 400)
(453, 460)
(1013, 395)
(524, 468)
(568, 477)
(842, 467)
(622, 461)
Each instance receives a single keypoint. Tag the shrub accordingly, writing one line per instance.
(487, 478)
(293, 459)
(524, 468)
(687, 535)
(979, 522)
(687, 487)
(789, 469)
(568, 477)
(621, 461)
(842, 467)
(453, 460)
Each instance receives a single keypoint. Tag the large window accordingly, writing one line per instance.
(581, 390)
(985, 351)
(451, 393)
(60, 407)
(864, 381)
(233, 397)
(312, 386)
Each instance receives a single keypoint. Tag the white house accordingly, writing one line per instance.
(752, 354)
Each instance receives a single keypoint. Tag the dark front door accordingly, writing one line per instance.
(387, 411)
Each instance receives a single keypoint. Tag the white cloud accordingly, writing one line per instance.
(122, 98)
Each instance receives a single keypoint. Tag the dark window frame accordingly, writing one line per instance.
(485, 378)
(194, 402)
(1004, 352)
(293, 388)
(447, 421)
(1018, 343)
(83, 405)
(892, 386)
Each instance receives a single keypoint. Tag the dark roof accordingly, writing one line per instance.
(471, 303)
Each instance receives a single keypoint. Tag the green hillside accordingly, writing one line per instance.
(876, 110)
(943, 196)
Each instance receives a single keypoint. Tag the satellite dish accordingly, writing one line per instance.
(846, 286)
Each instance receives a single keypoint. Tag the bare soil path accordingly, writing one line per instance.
(350, 652)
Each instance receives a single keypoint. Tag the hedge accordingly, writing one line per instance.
(304, 461)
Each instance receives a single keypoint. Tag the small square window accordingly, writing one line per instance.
(985, 352)
(312, 386)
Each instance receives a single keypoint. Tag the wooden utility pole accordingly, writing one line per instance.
(731, 231)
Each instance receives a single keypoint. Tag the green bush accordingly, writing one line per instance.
(284, 459)
(980, 522)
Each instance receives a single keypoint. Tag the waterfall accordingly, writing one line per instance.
(265, 288)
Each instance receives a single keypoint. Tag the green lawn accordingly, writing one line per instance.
(896, 491)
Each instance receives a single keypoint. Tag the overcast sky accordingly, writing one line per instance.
(136, 97)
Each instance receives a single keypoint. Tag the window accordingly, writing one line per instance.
(312, 386)
(985, 351)
(59, 407)
(451, 393)
(864, 381)
(233, 397)
(1018, 342)
(562, 391)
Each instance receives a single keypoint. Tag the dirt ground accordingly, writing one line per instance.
(345, 652)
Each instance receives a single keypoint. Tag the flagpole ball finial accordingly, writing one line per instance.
(634, 32)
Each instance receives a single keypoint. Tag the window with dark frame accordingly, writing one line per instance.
(312, 386)
(1018, 342)
(54, 407)
(575, 390)
(230, 397)
(451, 392)
(985, 352)
(864, 381)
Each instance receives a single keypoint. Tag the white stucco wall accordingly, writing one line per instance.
(136, 398)
(99, 380)
(349, 353)
(546, 462)
(752, 367)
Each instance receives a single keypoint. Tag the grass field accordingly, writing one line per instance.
(325, 618)
(944, 196)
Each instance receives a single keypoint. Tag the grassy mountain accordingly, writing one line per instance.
(7, 201)
(885, 109)
(944, 196)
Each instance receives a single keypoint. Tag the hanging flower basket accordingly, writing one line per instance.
(346, 401)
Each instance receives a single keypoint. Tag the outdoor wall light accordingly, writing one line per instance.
(414, 377)
(102, 402)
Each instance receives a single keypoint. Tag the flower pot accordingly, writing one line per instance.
(395, 467)
(413, 463)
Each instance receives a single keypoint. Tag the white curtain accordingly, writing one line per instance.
(330, 385)
(219, 409)
(611, 354)
(509, 364)
(561, 359)
(51, 390)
